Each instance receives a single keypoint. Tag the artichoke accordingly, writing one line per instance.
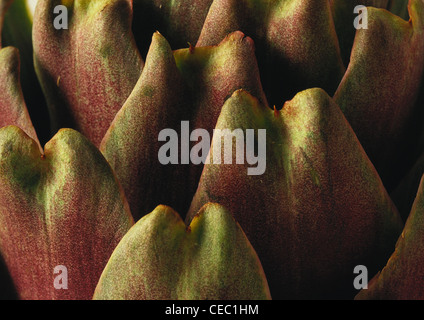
(115, 114)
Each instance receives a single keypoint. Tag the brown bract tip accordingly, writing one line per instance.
(276, 112)
(190, 48)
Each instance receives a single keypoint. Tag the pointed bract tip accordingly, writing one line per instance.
(190, 48)
(238, 36)
(157, 35)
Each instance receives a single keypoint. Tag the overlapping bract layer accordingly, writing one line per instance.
(319, 210)
(185, 85)
(287, 64)
(299, 45)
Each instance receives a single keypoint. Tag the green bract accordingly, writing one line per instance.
(208, 259)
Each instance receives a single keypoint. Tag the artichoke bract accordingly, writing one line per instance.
(88, 70)
(319, 201)
(342, 13)
(329, 95)
(208, 259)
(379, 102)
(12, 104)
(401, 278)
(20, 37)
(64, 207)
